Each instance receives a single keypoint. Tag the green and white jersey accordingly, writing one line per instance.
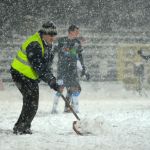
(68, 51)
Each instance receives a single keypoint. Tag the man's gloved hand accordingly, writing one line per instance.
(53, 84)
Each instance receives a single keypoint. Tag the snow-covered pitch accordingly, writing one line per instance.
(117, 120)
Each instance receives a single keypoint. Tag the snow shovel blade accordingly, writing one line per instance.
(79, 129)
(76, 128)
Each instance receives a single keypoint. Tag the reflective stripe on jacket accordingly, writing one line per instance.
(21, 62)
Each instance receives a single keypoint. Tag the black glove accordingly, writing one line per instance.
(53, 84)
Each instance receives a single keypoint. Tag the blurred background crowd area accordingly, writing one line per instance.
(114, 30)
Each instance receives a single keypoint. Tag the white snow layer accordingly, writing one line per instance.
(117, 120)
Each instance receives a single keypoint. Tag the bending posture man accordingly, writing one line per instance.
(29, 67)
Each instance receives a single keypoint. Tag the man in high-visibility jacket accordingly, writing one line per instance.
(29, 67)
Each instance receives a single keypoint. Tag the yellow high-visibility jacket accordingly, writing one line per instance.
(21, 62)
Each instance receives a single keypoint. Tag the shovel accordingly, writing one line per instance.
(75, 127)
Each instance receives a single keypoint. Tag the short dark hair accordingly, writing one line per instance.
(72, 27)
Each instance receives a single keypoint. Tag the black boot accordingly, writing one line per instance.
(22, 129)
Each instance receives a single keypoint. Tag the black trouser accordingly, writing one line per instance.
(30, 91)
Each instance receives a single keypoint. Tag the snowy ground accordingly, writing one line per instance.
(118, 120)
